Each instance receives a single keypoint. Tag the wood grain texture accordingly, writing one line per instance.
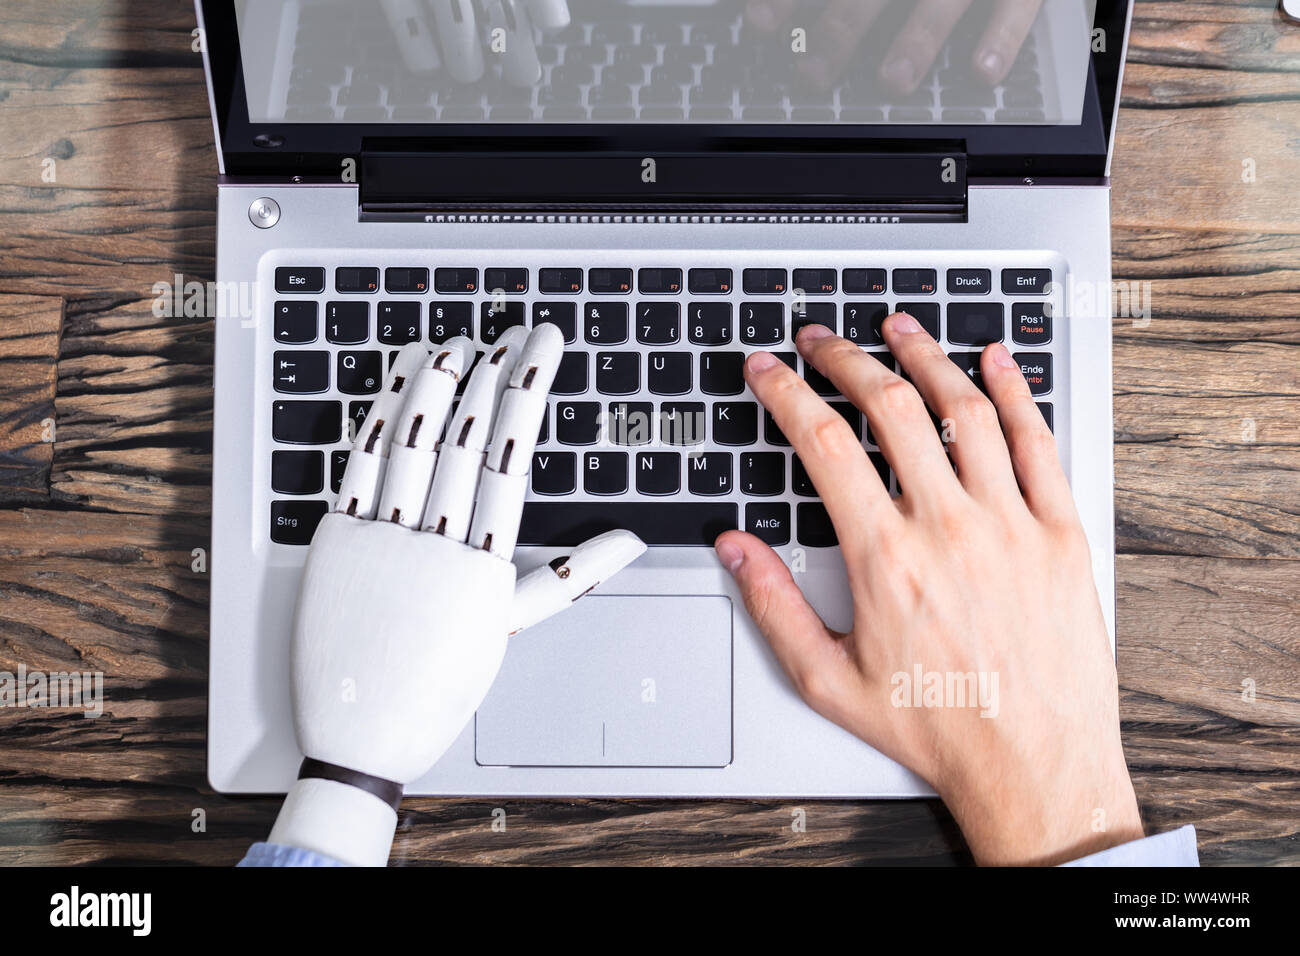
(98, 575)
(30, 328)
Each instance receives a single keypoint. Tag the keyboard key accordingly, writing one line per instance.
(449, 319)
(299, 279)
(915, 282)
(709, 473)
(604, 472)
(495, 321)
(975, 323)
(554, 473)
(709, 323)
(926, 313)
(722, 373)
(297, 472)
(882, 467)
(735, 423)
(658, 323)
(818, 382)
(669, 373)
(769, 521)
(347, 323)
(969, 362)
(398, 322)
(565, 524)
(773, 434)
(359, 373)
(765, 281)
(578, 423)
(813, 313)
(357, 412)
(306, 423)
(455, 281)
(659, 281)
(509, 281)
(605, 323)
(354, 279)
(970, 281)
(762, 473)
(1037, 369)
(1046, 409)
(800, 483)
(406, 280)
(1031, 324)
(1026, 281)
(862, 321)
(338, 465)
(630, 423)
(709, 281)
(865, 282)
(814, 526)
(618, 373)
(563, 315)
(571, 377)
(815, 281)
(658, 472)
(849, 412)
(300, 372)
(682, 423)
(762, 323)
(609, 281)
(294, 522)
(559, 281)
(295, 323)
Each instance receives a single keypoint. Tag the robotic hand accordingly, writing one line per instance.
(455, 25)
(409, 594)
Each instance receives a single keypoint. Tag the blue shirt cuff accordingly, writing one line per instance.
(1175, 848)
(274, 854)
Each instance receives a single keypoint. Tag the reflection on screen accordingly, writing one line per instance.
(649, 61)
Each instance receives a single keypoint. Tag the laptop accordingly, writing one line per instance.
(662, 182)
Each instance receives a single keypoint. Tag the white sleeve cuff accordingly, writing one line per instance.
(1175, 848)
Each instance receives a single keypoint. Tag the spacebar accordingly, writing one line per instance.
(563, 524)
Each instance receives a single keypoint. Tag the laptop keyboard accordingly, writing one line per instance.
(623, 65)
(649, 426)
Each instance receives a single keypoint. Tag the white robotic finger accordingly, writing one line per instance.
(414, 38)
(412, 458)
(549, 16)
(553, 587)
(460, 456)
(458, 34)
(519, 418)
(360, 488)
(519, 63)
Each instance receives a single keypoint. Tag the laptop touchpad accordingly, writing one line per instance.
(615, 681)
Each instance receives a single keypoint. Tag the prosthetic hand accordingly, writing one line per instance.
(409, 594)
(456, 27)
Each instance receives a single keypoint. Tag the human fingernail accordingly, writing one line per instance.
(730, 555)
(993, 65)
(811, 333)
(904, 323)
(1002, 358)
(761, 361)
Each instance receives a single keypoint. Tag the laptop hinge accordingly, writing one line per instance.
(546, 186)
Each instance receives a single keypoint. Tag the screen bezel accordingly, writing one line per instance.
(992, 152)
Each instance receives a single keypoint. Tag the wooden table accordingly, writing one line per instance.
(100, 517)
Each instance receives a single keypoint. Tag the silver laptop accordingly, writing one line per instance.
(661, 181)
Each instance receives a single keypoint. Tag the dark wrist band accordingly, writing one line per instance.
(385, 790)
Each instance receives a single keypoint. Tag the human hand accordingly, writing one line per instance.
(409, 594)
(458, 30)
(982, 571)
(834, 37)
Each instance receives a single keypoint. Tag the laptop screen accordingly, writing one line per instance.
(715, 62)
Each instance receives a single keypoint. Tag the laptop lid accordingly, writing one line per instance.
(311, 88)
